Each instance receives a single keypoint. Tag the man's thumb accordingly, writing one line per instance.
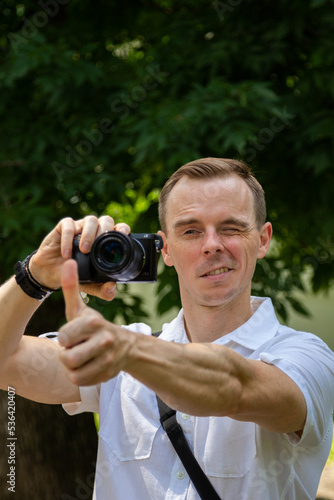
(74, 305)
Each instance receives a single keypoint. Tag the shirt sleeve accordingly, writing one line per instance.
(90, 401)
(309, 362)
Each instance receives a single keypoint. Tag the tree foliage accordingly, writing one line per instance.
(101, 101)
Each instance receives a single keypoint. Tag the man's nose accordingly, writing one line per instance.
(213, 243)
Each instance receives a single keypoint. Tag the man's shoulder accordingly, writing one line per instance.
(298, 348)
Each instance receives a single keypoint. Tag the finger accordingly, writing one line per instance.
(67, 230)
(86, 363)
(123, 228)
(78, 355)
(92, 373)
(88, 374)
(84, 352)
(89, 231)
(106, 223)
(105, 291)
(93, 227)
(74, 305)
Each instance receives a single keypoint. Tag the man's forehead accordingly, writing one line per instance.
(207, 191)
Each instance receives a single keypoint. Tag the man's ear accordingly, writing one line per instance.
(164, 252)
(265, 237)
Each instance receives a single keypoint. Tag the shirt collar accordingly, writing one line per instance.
(175, 331)
(261, 326)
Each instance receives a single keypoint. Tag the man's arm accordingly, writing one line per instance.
(199, 379)
(29, 364)
(213, 380)
(35, 372)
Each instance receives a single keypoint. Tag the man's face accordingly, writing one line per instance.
(212, 239)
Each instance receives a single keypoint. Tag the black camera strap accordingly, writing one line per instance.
(175, 433)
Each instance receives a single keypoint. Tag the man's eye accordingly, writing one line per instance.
(231, 230)
(190, 231)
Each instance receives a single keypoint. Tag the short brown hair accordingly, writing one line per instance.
(206, 168)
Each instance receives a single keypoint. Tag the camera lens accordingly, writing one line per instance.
(112, 253)
(117, 256)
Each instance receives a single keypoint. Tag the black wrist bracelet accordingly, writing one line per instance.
(28, 283)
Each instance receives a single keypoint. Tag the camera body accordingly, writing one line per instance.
(118, 257)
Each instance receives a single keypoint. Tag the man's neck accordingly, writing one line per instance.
(207, 323)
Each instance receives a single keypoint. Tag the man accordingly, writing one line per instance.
(253, 397)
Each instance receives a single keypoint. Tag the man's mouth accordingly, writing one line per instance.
(221, 270)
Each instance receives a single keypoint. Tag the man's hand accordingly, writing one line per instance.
(46, 265)
(95, 349)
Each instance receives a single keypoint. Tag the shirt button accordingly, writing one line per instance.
(185, 416)
(180, 475)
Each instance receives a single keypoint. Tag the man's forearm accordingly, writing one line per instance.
(16, 309)
(200, 379)
(212, 380)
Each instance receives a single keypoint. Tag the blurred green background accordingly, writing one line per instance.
(101, 101)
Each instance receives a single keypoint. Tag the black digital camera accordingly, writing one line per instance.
(118, 257)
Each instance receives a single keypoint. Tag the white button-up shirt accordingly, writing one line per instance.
(243, 461)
